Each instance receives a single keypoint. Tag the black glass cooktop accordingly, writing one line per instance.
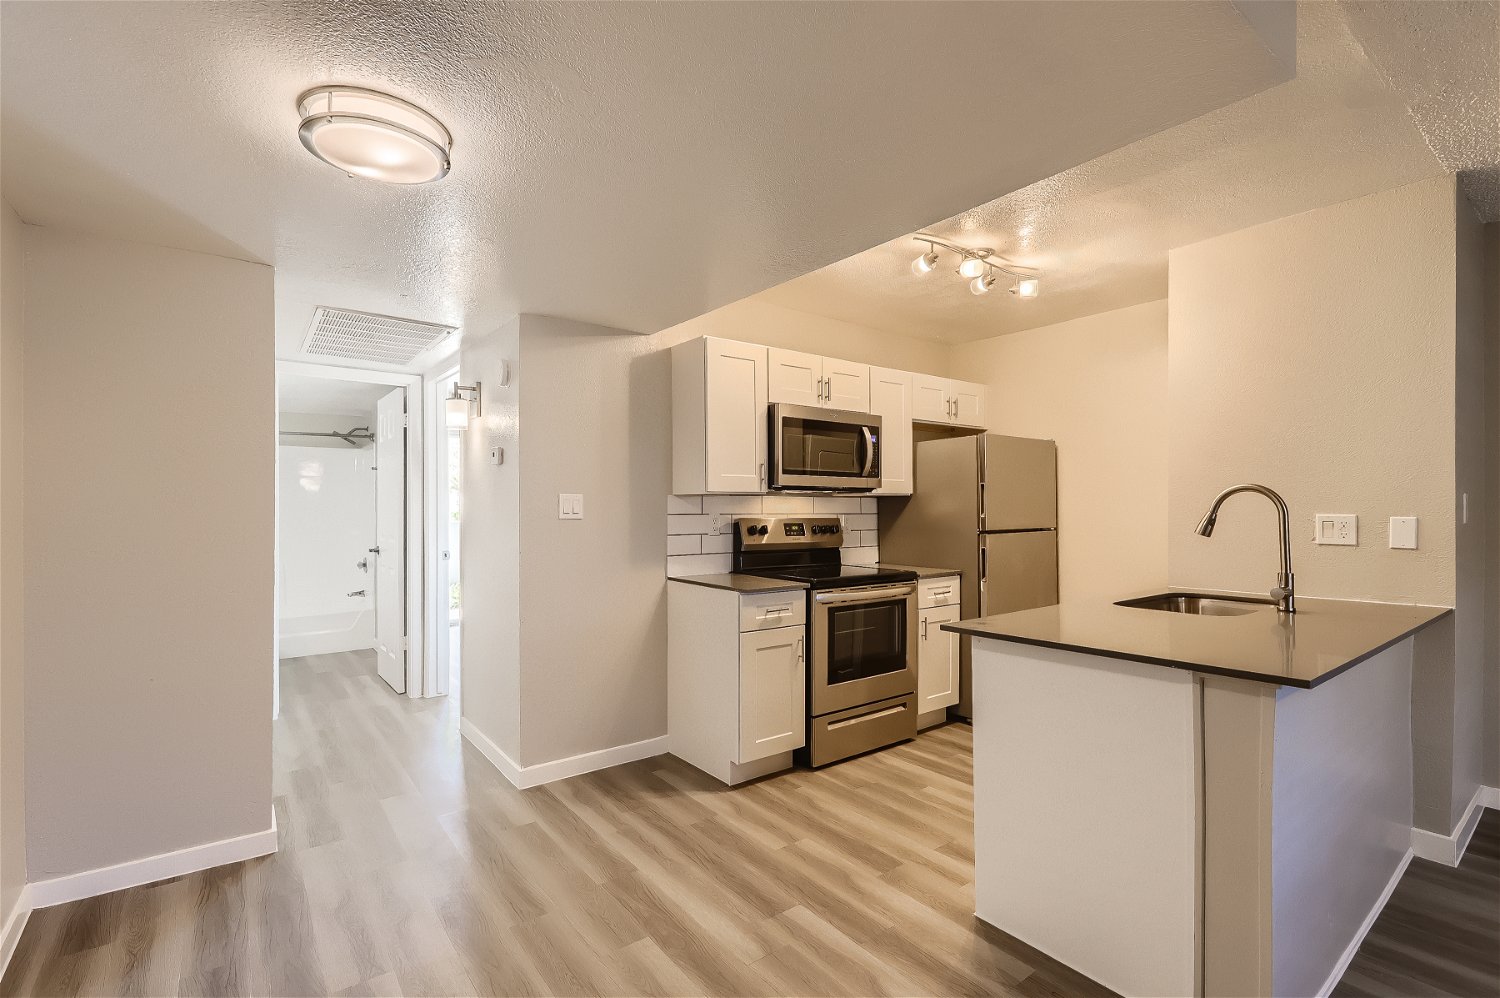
(830, 576)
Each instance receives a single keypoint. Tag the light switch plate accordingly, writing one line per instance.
(569, 506)
(1404, 532)
(1336, 528)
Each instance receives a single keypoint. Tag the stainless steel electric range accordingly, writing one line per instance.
(862, 673)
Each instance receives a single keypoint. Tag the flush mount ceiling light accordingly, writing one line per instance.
(979, 266)
(366, 133)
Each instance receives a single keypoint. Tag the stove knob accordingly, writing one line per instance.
(833, 529)
(817, 530)
(764, 530)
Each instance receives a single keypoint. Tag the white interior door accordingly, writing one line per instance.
(390, 539)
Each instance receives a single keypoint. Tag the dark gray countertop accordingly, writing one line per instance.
(1323, 638)
(922, 571)
(738, 583)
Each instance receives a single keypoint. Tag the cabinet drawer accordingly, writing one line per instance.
(938, 592)
(760, 611)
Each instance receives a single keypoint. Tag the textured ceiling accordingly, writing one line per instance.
(1386, 94)
(627, 163)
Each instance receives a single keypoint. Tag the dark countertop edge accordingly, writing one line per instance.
(923, 571)
(775, 585)
(1213, 670)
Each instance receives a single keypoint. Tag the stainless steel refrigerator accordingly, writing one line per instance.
(986, 505)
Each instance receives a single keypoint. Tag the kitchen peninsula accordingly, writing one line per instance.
(1208, 801)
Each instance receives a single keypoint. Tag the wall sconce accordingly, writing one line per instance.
(463, 405)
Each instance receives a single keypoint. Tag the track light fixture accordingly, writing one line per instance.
(977, 265)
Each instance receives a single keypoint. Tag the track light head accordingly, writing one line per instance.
(926, 263)
(981, 284)
(972, 266)
(1027, 287)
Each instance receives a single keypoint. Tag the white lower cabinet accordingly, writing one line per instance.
(937, 649)
(736, 679)
(773, 677)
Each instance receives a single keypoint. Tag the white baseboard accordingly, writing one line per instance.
(559, 769)
(1449, 849)
(91, 883)
(1364, 928)
(15, 924)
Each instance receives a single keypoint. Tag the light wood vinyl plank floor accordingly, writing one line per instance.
(409, 866)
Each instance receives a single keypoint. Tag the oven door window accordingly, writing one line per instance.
(866, 639)
(823, 448)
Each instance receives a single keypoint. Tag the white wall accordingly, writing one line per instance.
(149, 518)
(590, 669)
(490, 569)
(12, 577)
(1098, 386)
(325, 526)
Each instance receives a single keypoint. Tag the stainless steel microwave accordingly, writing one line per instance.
(824, 450)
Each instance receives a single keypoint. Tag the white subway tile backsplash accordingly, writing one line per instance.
(698, 564)
(861, 521)
(787, 505)
(831, 505)
(738, 505)
(718, 543)
(684, 504)
(869, 504)
(869, 538)
(689, 523)
(861, 556)
(684, 544)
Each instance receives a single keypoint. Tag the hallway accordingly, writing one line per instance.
(409, 866)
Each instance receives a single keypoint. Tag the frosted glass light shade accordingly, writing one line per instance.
(1028, 287)
(370, 134)
(971, 267)
(458, 413)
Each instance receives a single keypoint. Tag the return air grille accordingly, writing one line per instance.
(382, 339)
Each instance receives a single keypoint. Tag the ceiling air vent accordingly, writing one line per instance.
(381, 339)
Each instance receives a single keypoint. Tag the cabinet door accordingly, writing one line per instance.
(773, 695)
(735, 410)
(846, 385)
(968, 403)
(890, 399)
(937, 660)
(796, 377)
(929, 399)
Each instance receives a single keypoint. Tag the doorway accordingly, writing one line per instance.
(349, 522)
(448, 576)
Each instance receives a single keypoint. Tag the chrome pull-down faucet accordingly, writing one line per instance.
(1285, 590)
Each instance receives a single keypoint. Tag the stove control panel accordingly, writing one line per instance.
(788, 531)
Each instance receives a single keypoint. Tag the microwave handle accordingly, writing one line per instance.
(869, 450)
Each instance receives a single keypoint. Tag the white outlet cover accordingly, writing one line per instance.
(1336, 528)
(1404, 532)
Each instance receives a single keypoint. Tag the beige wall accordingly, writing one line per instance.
(1098, 386)
(591, 618)
(1318, 354)
(490, 569)
(12, 579)
(149, 519)
(1315, 354)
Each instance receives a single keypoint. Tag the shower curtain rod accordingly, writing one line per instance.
(349, 438)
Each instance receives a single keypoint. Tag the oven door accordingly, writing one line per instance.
(829, 450)
(864, 645)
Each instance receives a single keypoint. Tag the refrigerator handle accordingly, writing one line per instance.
(984, 567)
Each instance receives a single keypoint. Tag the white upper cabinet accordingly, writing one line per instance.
(718, 417)
(807, 379)
(846, 385)
(891, 400)
(795, 377)
(943, 400)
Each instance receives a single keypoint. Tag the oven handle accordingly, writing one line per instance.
(864, 595)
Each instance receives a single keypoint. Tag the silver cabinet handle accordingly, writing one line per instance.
(800, 650)
(924, 628)
(763, 474)
(357, 592)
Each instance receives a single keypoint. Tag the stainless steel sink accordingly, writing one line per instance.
(1198, 603)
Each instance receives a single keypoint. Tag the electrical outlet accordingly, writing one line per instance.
(1336, 528)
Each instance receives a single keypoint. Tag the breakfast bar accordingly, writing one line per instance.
(1193, 794)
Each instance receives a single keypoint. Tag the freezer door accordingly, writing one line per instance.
(1019, 490)
(1018, 571)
